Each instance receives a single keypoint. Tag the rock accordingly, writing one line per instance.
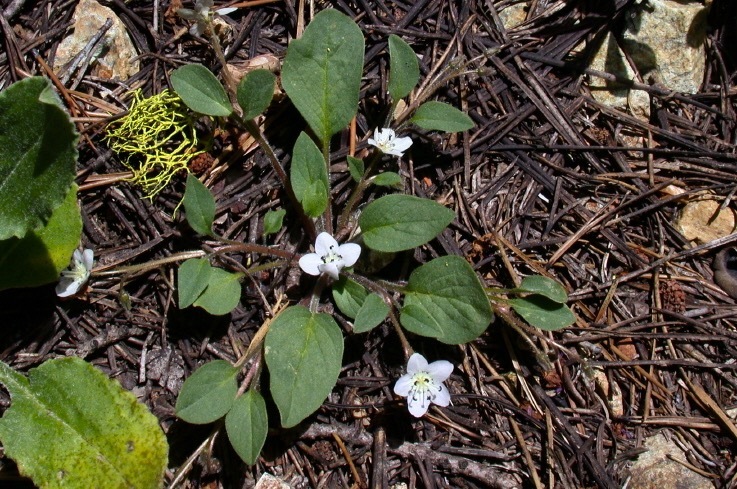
(514, 15)
(702, 221)
(664, 39)
(115, 55)
(268, 481)
(655, 470)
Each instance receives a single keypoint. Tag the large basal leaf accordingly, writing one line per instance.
(445, 300)
(208, 394)
(247, 424)
(201, 91)
(304, 352)
(255, 92)
(69, 425)
(404, 70)
(42, 254)
(322, 72)
(543, 313)
(309, 176)
(38, 153)
(402, 222)
(437, 116)
(199, 206)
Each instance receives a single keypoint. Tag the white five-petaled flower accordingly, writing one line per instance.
(202, 15)
(388, 142)
(76, 275)
(329, 257)
(423, 384)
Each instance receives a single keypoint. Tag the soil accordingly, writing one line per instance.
(548, 182)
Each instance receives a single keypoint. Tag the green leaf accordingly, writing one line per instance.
(201, 91)
(69, 425)
(273, 221)
(208, 394)
(42, 254)
(322, 72)
(404, 70)
(304, 352)
(402, 222)
(387, 179)
(309, 176)
(255, 92)
(222, 293)
(247, 424)
(437, 116)
(38, 154)
(199, 206)
(547, 287)
(445, 300)
(373, 311)
(355, 168)
(543, 313)
(192, 280)
(349, 296)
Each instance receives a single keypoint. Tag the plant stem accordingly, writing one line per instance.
(184, 255)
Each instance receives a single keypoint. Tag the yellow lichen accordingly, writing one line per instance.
(155, 140)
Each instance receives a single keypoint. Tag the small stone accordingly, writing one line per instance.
(115, 55)
(268, 481)
(702, 221)
(655, 468)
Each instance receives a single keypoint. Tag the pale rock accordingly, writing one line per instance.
(702, 221)
(268, 481)
(116, 54)
(514, 15)
(654, 469)
(664, 39)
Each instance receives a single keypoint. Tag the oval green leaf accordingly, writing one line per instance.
(192, 280)
(273, 221)
(255, 92)
(304, 352)
(547, 287)
(355, 168)
(322, 72)
(309, 176)
(543, 313)
(349, 296)
(39, 256)
(247, 424)
(199, 206)
(208, 394)
(445, 300)
(387, 179)
(402, 222)
(201, 91)
(372, 313)
(437, 116)
(404, 70)
(69, 425)
(222, 293)
(38, 154)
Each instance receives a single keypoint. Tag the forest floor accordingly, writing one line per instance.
(549, 181)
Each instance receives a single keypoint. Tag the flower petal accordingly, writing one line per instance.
(310, 263)
(403, 385)
(442, 397)
(331, 269)
(88, 259)
(323, 243)
(68, 286)
(226, 11)
(416, 363)
(350, 253)
(418, 403)
(402, 144)
(440, 370)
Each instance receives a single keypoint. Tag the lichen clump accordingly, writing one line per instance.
(155, 140)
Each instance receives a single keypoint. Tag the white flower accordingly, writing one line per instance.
(76, 276)
(329, 257)
(202, 15)
(388, 143)
(423, 384)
